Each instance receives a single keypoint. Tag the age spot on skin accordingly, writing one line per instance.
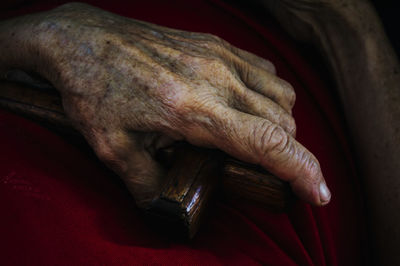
(86, 49)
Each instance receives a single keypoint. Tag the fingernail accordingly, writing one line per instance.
(324, 193)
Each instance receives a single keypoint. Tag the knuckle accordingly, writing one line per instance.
(211, 45)
(289, 125)
(181, 103)
(286, 85)
(211, 41)
(107, 155)
(214, 67)
(291, 95)
(110, 148)
(289, 92)
(175, 96)
(191, 107)
(271, 139)
(103, 154)
(270, 67)
(212, 37)
(278, 140)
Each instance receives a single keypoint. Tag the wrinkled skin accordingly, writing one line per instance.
(132, 87)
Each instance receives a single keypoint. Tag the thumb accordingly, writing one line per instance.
(130, 155)
(143, 176)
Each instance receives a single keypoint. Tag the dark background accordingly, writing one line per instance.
(389, 11)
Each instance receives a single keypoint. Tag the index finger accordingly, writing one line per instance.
(257, 140)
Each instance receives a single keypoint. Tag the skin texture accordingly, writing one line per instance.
(362, 61)
(132, 87)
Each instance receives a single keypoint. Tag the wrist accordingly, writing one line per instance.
(22, 44)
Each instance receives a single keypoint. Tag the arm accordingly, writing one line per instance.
(350, 36)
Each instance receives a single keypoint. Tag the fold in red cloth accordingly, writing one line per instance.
(59, 205)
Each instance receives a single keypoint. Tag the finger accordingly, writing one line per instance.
(257, 104)
(249, 57)
(128, 155)
(265, 83)
(255, 60)
(259, 141)
(143, 177)
(260, 75)
(153, 142)
(268, 84)
(262, 80)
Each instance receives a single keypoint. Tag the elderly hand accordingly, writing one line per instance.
(132, 87)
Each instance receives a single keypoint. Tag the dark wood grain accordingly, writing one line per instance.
(252, 183)
(190, 184)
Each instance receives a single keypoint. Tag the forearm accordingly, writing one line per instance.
(27, 46)
(366, 70)
(18, 44)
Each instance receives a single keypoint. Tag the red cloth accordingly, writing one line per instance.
(59, 205)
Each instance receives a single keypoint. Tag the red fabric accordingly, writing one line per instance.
(59, 205)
